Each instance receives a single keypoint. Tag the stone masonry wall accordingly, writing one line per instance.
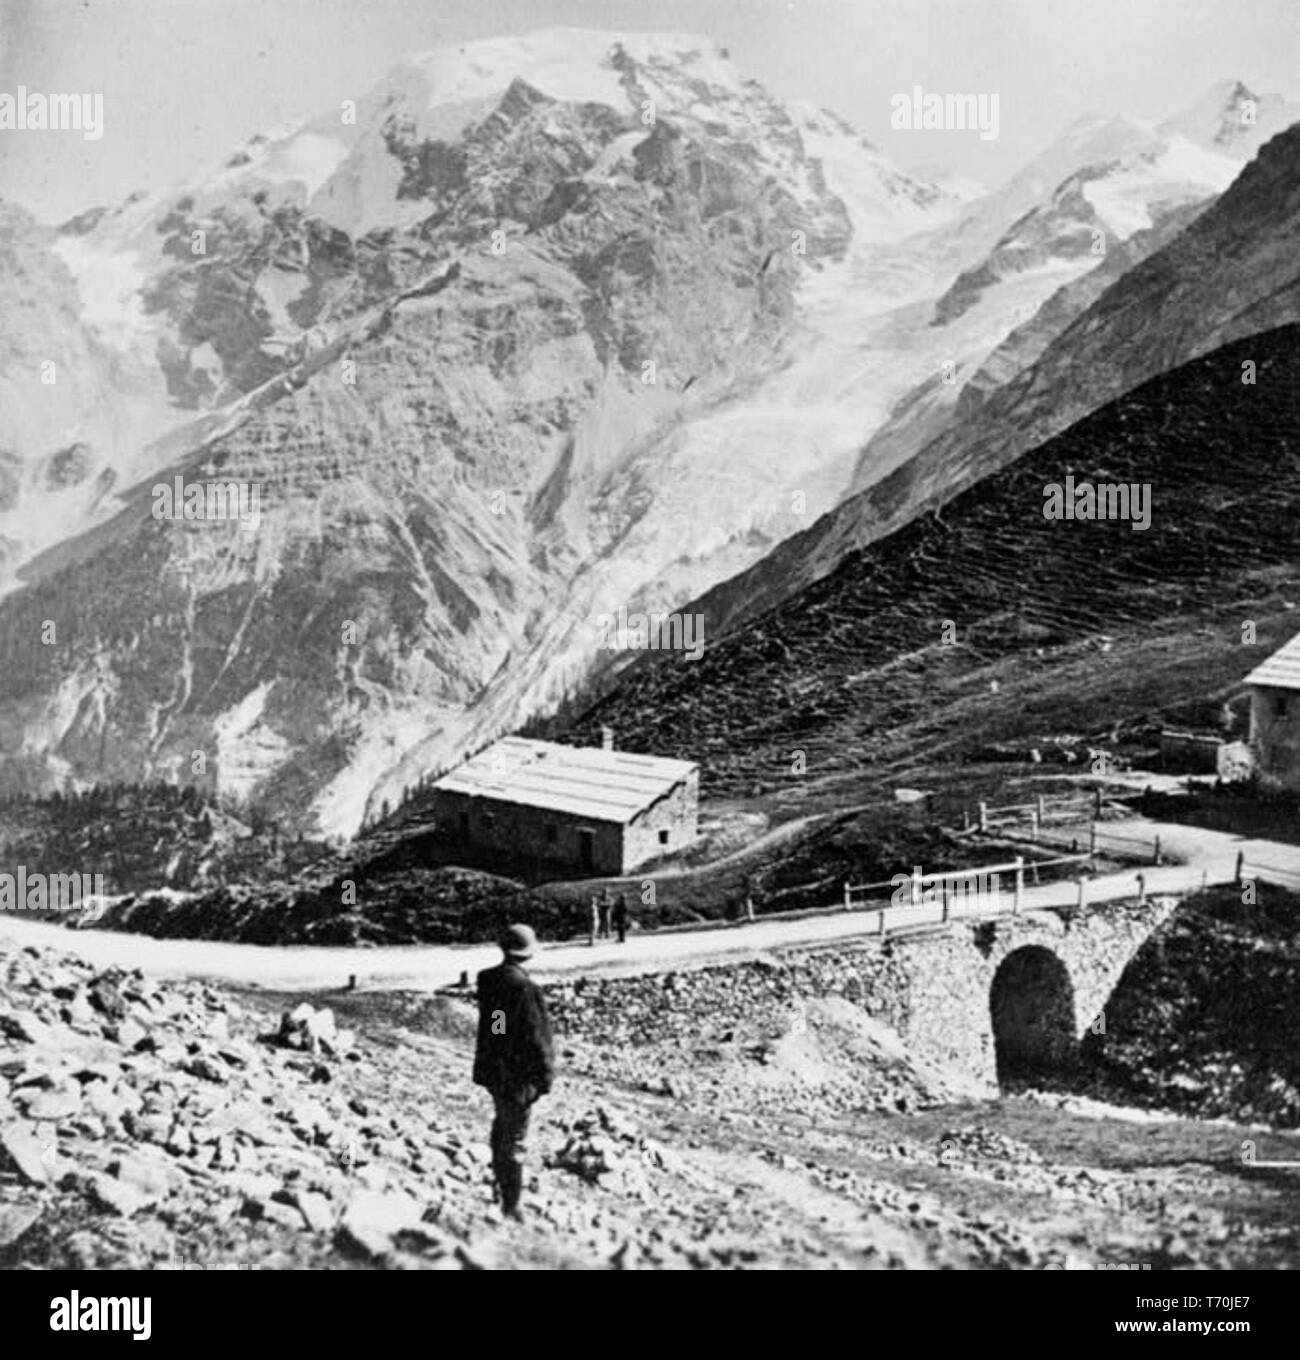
(934, 990)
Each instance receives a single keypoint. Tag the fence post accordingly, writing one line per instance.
(1142, 888)
(1157, 858)
(944, 881)
(1042, 811)
(880, 927)
(1241, 864)
(1092, 841)
(1082, 884)
(1096, 801)
(965, 819)
(848, 903)
(1020, 884)
(1033, 824)
(984, 815)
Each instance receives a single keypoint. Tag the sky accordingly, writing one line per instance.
(185, 81)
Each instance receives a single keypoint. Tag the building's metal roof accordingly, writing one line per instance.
(585, 781)
(1281, 670)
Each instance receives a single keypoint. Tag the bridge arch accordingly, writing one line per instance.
(1032, 1008)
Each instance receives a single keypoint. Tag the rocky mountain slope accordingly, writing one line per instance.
(1229, 273)
(1032, 255)
(516, 344)
(537, 329)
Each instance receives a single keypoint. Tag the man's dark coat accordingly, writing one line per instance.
(520, 1053)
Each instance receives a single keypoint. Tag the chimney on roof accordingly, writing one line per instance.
(606, 738)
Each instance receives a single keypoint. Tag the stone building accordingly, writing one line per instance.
(1275, 715)
(592, 809)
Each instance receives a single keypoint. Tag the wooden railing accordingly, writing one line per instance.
(953, 885)
(1041, 812)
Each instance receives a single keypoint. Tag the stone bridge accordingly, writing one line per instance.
(1006, 998)
(1015, 997)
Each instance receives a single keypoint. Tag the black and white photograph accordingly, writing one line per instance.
(649, 636)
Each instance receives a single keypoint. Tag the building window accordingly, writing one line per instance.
(551, 834)
(1279, 706)
(663, 838)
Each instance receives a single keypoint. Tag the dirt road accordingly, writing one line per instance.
(1208, 857)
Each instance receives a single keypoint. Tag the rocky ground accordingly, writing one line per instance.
(1205, 1021)
(165, 1124)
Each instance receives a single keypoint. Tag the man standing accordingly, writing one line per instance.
(620, 918)
(514, 1057)
(605, 905)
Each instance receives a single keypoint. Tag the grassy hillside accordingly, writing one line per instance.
(1061, 628)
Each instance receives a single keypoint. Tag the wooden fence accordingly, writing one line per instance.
(1045, 810)
(1282, 876)
(952, 886)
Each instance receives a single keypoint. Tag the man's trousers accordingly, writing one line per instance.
(509, 1139)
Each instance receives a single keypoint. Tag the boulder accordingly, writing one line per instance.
(15, 1220)
(273, 1211)
(207, 1069)
(60, 1103)
(150, 1177)
(26, 1028)
(105, 995)
(316, 1210)
(127, 1032)
(372, 1219)
(113, 1196)
(102, 1099)
(24, 1151)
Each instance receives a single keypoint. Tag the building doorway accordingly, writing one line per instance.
(586, 848)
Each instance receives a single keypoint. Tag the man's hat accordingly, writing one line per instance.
(519, 942)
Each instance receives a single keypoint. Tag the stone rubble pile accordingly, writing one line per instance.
(603, 1149)
(163, 1109)
(806, 1027)
(979, 1144)
(314, 1031)
(669, 1006)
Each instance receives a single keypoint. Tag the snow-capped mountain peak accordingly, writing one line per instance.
(596, 279)
(1232, 119)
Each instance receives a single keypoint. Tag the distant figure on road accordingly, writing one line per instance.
(514, 1058)
(620, 918)
(595, 918)
(605, 906)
